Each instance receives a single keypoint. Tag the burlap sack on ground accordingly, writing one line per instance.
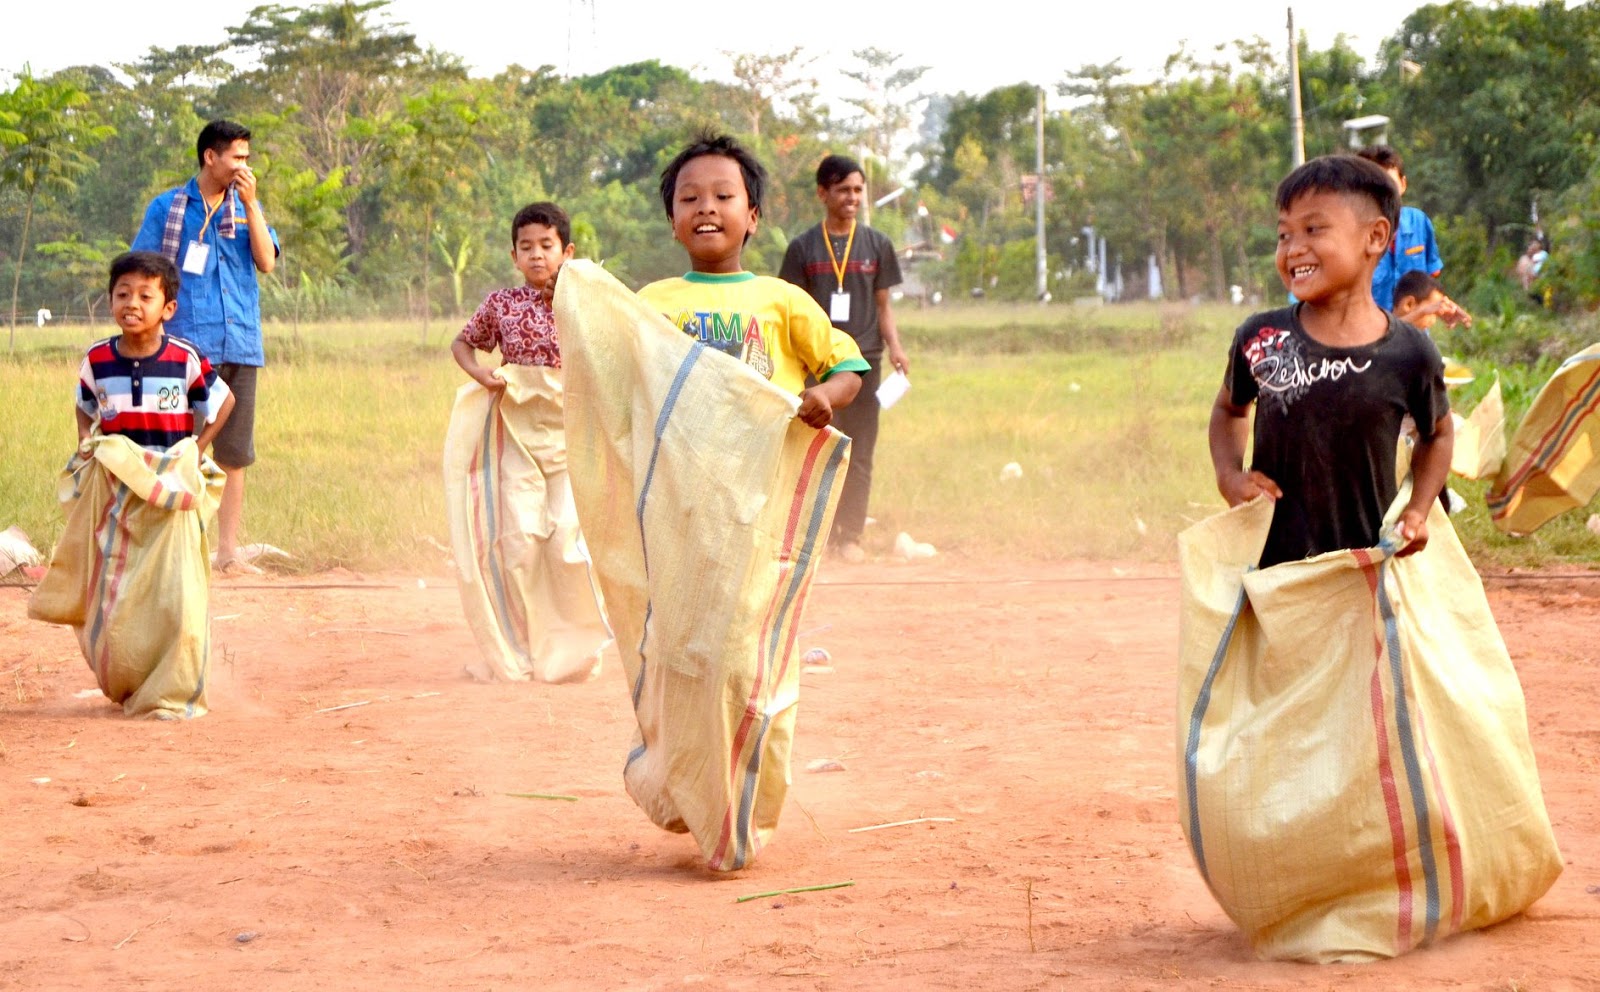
(1480, 439)
(705, 504)
(131, 573)
(1552, 466)
(527, 588)
(1356, 775)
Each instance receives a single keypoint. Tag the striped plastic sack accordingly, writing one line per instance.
(1356, 775)
(1554, 462)
(527, 588)
(706, 504)
(132, 570)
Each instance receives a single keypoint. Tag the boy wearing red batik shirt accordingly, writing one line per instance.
(519, 320)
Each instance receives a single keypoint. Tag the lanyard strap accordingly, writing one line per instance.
(839, 264)
(210, 213)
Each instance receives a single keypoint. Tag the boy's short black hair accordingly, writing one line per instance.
(835, 168)
(546, 213)
(218, 136)
(1383, 157)
(1345, 174)
(1416, 284)
(145, 263)
(712, 143)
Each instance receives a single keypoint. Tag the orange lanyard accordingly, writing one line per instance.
(210, 213)
(839, 264)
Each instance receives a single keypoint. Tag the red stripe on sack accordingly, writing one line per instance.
(796, 506)
(1566, 422)
(1452, 839)
(1391, 794)
(97, 570)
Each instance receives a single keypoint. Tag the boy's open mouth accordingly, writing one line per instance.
(1301, 271)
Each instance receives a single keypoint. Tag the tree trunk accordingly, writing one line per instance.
(16, 280)
(427, 257)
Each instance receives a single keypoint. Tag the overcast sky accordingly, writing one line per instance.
(986, 45)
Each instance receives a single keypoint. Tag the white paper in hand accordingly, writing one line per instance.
(892, 389)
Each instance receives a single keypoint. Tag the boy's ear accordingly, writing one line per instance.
(170, 308)
(1379, 234)
(566, 253)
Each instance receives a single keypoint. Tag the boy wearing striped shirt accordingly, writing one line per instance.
(145, 384)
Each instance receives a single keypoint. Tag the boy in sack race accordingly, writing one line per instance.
(1357, 778)
(131, 573)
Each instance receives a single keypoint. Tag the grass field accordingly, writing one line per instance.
(1104, 408)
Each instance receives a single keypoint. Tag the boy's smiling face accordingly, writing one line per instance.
(842, 200)
(140, 306)
(1328, 245)
(711, 213)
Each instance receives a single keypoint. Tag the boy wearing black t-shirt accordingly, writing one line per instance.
(1331, 378)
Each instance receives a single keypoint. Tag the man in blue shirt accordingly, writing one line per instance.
(213, 229)
(1414, 248)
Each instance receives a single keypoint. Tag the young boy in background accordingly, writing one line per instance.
(1331, 378)
(518, 321)
(144, 384)
(1413, 248)
(131, 571)
(712, 194)
(849, 268)
(1419, 300)
(521, 564)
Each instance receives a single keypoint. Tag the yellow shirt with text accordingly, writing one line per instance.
(771, 325)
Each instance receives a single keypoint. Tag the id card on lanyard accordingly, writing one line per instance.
(194, 258)
(839, 303)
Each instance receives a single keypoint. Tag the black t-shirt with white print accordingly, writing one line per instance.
(1327, 424)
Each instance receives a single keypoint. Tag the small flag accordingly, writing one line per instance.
(922, 209)
(947, 234)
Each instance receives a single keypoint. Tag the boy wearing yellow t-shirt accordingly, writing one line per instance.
(712, 194)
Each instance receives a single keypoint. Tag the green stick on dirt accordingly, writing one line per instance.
(542, 795)
(790, 892)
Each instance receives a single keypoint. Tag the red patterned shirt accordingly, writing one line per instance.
(520, 323)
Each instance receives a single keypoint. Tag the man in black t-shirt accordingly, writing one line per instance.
(849, 269)
(1331, 378)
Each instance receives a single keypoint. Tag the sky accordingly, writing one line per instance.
(985, 45)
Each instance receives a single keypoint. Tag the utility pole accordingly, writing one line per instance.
(1297, 120)
(1040, 263)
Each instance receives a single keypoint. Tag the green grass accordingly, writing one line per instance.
(352, 420)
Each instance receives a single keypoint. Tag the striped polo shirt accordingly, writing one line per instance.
(153, 401)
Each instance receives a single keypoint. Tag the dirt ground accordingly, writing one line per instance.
(272, 845)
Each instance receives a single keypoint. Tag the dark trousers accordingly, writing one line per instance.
(859, 421)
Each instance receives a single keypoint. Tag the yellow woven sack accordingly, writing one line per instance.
(1355, 773)
(131, 573)
(1480, 440)
(526, 585)
(1552, 466)
(706, 505)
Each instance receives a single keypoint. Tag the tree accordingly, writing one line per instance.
(1503, 109)
(57, 130)
(766, 81)
(432, 157)
(82, 267)
(885, 103)
(324, 73)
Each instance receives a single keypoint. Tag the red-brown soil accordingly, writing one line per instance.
(376, 847)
